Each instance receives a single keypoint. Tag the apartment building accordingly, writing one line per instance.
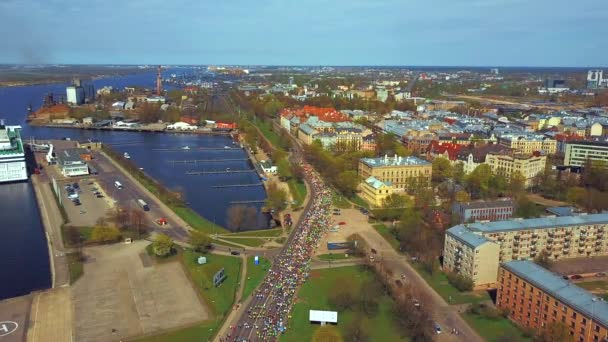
(498, 210)
(374, 191)
(536, 298)
(518, 239)
(400, 171)
(578, 152)
(528, 143)
(528, 165)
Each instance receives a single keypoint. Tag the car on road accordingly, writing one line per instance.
(600, 274)
(235, 253)
(336, 213)
(342, 223)
(416, 303)
(576, 277)
(437, 328)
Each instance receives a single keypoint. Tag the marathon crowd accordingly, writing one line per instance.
(269, 310)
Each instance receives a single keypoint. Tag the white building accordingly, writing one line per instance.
(75, 95)
(181, 126)
(578, 152)
(267, 167)
(71, 163)
(12, 156)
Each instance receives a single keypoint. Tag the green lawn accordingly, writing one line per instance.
(255, 275)
(85, 233)
(491, 330)
(259, 233)
(251, 242)
(599, 287)
(272, 137)
(340, 201)
(386, 233)
(298, 191)
(334, 256)
(313, 295)
(226, 243)
(197, 221)
(75, 267)
(360, 202)
(439, 282)
(219, 299)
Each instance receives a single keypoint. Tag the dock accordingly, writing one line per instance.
(196, 149)
(248, 202)
(195, 161)
(236, 185)
(217, 172)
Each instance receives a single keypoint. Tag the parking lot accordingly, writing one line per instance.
(84, 201)
(120, 297)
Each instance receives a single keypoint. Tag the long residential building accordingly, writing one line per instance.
(498, 210)
(528, 143)
(537, 298)
(578, 152)
(401, 172)
(12, 155)
(475, 249)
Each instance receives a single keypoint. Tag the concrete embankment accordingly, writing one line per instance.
(153, 128)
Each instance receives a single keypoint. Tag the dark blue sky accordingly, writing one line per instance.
(307, 32)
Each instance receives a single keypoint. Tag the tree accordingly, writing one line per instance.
(105, 234)
(199, 241)
(342, 297)
(358, 330)
(525, 207)
(463, 197)
(442, 169)
(517, 183)
(327, 333)
(347, 183)
(478, 181)
(162, 245)
(277, 197)
(371, 290)
(556, 331)
(137, 218)
(236, 216)
(544, 259)
(459, 281)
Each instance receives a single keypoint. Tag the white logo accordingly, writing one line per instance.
(8, 327)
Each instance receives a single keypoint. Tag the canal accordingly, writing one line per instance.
(166, 157)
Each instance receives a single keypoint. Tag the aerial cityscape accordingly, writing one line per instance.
(328, 171)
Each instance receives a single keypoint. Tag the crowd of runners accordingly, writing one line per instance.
(269, 310)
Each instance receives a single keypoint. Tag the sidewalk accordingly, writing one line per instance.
(235, 314)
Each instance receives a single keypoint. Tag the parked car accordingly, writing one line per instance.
(576, 276)
(235, 253)
(600, 274)
(437, 328)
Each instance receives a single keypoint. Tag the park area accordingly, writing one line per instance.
(219, 299)
(375, 320)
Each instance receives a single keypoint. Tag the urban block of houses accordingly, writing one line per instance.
(475, 250)
(528, 143)
(375, 191)
(536, 297)
(498, 210)
(401, 172)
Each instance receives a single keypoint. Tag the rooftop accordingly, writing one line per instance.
(467, 237)
(71, 156)
(394, 161)
(10, 140)
(376, 183)
(564, 291)
(536, 223)
(506, 202)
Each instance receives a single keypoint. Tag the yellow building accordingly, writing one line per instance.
(548, 122)
(375, 191)
(518, 239)
(528, 165)
(529, 143)
(400, 171)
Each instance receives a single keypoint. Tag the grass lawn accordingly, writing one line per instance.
(340, 201)
(251, 242)
(599, 287)
(197, 221)
(272, 137)
(297, 190)
(219, 299)
(493, 329)
(334, 256)
(75, 267)
(259, 233)
(85, 232)
(439, 282)
(255, 275)
(360, 202)
(386, 233)
(313, 295)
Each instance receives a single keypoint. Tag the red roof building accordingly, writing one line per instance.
(323, 113)
(443, 149)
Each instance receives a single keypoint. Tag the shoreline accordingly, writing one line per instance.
(142, 129)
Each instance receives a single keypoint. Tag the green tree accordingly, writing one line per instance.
(199, 241)
(358, 330)
(556, 331)
(442, 169)
(347, 183)
(105, 234)
(342, 297)
(478, 181)
(162, 245)
(517, 183)
(277, 197)
(544, 259)
(526, 208)
(327, 333)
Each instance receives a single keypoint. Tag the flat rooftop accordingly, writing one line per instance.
(10, 141)
(394, 161)
(561, 289)
(536, 223)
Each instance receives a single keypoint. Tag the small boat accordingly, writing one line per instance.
(227, 169)
(126, 155)
(186, 148)
(226, 147)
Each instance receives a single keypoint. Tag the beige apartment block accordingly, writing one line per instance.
(401, 172)
(528, 165)
(528, 143)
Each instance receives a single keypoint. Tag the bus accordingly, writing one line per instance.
(143, 205)
(118, 185)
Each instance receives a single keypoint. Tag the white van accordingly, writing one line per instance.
(118, 185)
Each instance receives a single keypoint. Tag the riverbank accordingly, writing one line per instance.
(153, 128)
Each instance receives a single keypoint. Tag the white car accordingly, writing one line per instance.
(437, 328)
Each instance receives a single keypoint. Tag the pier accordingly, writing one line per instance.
(217, 172)
(195, 161)
(196, 149)
(236, 185)
(248, 202)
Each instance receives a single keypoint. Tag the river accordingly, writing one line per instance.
(23, 252)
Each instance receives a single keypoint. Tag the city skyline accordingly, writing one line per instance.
(440, 33)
